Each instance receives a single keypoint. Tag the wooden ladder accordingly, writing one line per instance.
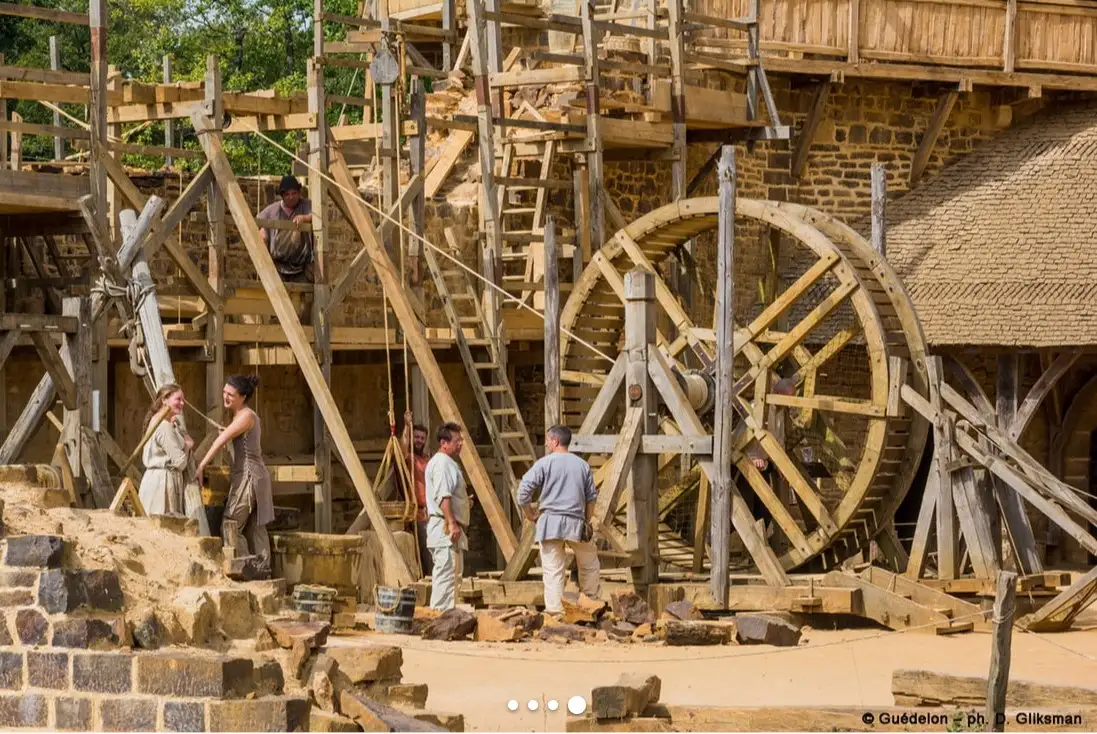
(488, 378)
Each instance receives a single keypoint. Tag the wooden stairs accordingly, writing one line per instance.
(901, 603)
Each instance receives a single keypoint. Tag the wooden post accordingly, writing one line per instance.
(3, 156)
(948, 539)
(1018, 527)
(643, 511)
(723, 416)
(594, 127)
(420, 393)
(1009, 38)
(169, 125)
(55, 65)
(16, 144)
(678, 135)
(552, 327)
(879, 208)
(1005, 598)
(75, 354)
(853, 54)
(217, 244)
(97, 102)
(321, 319)
(449, 23)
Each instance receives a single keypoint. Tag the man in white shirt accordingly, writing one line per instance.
(448, 517)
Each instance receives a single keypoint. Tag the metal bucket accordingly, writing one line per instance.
(395, 609)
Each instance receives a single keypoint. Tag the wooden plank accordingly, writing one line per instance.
(552, 326)
(1002, 634)
(810, 127)
(306, 360)
(38, 322)
(7, 343)
(1057, 614)
(40, 13)
(929, 138)
(179, 210)
(1044, 385)
(1022, 538)
(27, 128)
(537, 77)
(623, 456)
(55, 366)
(420, 348)
(948, 540)
(887, 607)
(879, 208)
(649, 444)
(1009, 38)
(724, 416)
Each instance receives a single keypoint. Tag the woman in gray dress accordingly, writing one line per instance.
(166, 456)
(250, 504)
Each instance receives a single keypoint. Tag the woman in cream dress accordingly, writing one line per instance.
(166, 457)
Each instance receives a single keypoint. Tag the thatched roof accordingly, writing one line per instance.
(1001, 248)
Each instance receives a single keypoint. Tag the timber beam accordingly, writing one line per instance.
(928, 141)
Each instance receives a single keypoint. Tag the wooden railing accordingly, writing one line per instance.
(1005, 35)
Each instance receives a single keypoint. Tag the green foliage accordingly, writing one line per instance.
(261, 44)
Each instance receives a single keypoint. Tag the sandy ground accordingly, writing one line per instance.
(835, 668)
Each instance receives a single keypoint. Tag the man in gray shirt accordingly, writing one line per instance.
(563, 514)
(290, 249)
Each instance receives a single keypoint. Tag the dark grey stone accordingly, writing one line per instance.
(126, 714)
(269, 679)
(183, 673)
(62, 591)
(48, 670)
(108, 672)
(17, 579)
(84, 633)
(23, 711)
(147, 632)
(36, 551)
(762, 629)
(31, 627)
(11, 670)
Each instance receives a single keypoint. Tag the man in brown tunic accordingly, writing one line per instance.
(290, 249)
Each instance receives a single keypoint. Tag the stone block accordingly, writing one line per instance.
(62, 591)
(104, 672)
(763, 629)
(366, 664)
(15, 598)
(48, 670)
(235, 611)
(268, 594)
(87, 633)
(629, 607)
(211, 547)
(191, 674)
(184, 716)
(196, 614)
(628, 697)
(269, 679)
(374, 716)
(34, 551)
(454, 624)
(31, 627)
(581, 608)
(443, 720)
(264, 641)
(72, 714)
(287, 631)
(17, 579)
(5, 633)
(682, 610)
(146, 630)
(23, 711)
(11, 670)
(697, 633)
(281, 713)
(407, 694)
(325, 721)
(127, 714)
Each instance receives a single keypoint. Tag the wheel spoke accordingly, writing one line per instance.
(803, 488)
(774, 505)
(784, 301)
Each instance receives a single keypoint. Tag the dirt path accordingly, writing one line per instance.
(835, 668)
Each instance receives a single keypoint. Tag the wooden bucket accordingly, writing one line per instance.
(318, 559)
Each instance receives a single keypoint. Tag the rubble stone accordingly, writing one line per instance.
(63, 591)
(454, 624)
(407, 694)
(184, 716)
(35, 551)
(630, 607)
(329, 722)
(72, 714)
(107, 672)
(264, 641)
(287, 631)
(696, 633)
(580, 608)
(374, 716)
(269, 680)
(490, 628)
(147, 631)
(5, 633)
(31, 627)
(763, 629)
(234, 610)
(628, 697)
(196, 614)
(48, 670)
(446, 721)
(186, 674)
(127, 714)
(367, 664)
(11, 670)
(299, 659)
(682, 610)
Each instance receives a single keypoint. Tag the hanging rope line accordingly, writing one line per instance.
(487, 283)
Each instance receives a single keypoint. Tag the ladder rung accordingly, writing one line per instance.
(484, 365)
(520, 457)
(452, 274)
(495, 388)
(463, 296)
(511, 434)
(521, 210)
(504, 411)
(468, 320)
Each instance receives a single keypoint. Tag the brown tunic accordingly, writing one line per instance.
(250, 478)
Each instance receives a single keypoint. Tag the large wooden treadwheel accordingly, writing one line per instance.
(811, 369)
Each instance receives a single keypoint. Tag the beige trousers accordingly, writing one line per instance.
(554, 570)
(445, 579)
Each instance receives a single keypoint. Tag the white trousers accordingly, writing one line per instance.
(554, 570)
(445, 579)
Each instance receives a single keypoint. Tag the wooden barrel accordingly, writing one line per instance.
(318, 559)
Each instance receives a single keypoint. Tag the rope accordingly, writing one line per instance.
(487, 283)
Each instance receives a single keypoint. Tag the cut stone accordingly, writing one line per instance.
(367, 664)
(127, 714)
(280, 713)
(763, 629)
(186, 674)
(15, 598)
(628, 697)
(35, 551)
(268, 594)
(196, 614)
(106, 672)
(328, 722)
(48, 670)
(87, 633)
(696, 633)
(236, 611)
(23, 711)
(580, 608)
(269, 680)
(11, 670)
(72, 714)
(63, 591)
(454, 624)
(264, 641)
(287, 631)
(299, 660)
(630, 607)
(374, 716)
(323, 691)
(31, 627)
(184, 716)
(446, 721)
(407, 694)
